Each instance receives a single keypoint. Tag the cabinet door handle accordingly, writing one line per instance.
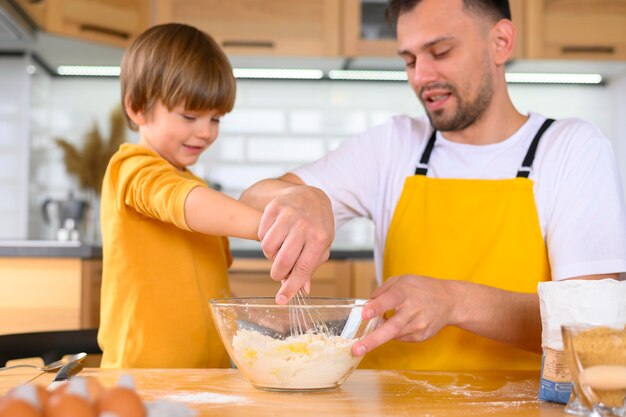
(247, 44)
(105, 31)
(592, 49)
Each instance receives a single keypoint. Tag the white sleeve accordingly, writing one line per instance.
(586, 224)
(349, 175)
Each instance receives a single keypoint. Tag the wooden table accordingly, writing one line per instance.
(225, 392)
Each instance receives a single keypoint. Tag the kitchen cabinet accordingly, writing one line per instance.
(251, 277)
(40, 294)
(576, 29)
(36, 10)
(363, 278)
(366, 33)
(63, 293)
(518, 14)
(269, 27)
(112, 22)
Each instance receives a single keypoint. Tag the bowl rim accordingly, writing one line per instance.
(269, 302)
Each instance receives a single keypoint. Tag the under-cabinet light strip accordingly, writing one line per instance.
(361, 75)
(552, 78)
(279, 74)
(347, 75)
(88, 71)
(513, 77)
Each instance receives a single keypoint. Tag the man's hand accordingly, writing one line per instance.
(296, 230)
(422, 306)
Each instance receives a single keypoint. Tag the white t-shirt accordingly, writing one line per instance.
(576, 184)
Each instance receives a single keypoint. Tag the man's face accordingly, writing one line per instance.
(447, 62)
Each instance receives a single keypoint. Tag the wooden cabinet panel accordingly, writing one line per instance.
(35, 10)
(113, 22)
(518, 14)
(269, 27)
(91, 271)
(361, 39)
(363, 278)
(251, 278)
(39, 294)
(366, 33)
(576, 29)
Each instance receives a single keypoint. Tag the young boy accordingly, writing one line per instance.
(164, 256)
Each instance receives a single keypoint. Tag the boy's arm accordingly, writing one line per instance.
(214, 213)
(296, 229)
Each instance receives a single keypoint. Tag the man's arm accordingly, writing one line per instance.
(296, 230)
(423, 306)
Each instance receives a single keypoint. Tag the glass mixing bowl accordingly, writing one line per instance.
(303, 346)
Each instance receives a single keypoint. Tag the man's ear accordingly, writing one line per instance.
(503, 37)
(138, 117)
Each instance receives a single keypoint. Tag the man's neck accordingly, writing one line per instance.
(500, 121)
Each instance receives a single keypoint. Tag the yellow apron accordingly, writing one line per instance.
(481, 231)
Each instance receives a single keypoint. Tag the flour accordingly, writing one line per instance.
(206, 398)
(309, 361)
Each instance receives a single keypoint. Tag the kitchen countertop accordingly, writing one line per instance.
(74, 249)
(225, 392)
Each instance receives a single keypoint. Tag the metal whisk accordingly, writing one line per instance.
(303, 318)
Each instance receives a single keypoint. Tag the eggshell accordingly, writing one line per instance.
(68, 405)
(43, 395)
(122, 401)
(14, 407)
(94, 388)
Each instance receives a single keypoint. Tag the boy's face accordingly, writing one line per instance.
(179, 136)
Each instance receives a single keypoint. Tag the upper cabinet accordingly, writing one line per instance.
(268, 27)
(576, 29)
(112, 22)
(366, 33)
(518, 14)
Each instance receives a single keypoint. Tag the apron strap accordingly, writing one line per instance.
(422, 167)
(526, 167)
(523, 172)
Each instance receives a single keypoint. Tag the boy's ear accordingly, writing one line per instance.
(138, 117)
(503, 40)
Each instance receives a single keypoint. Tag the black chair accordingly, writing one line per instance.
(50, 346)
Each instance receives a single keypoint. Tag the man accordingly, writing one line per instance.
(473, 205)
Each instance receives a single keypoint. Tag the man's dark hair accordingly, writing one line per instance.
(496, 9)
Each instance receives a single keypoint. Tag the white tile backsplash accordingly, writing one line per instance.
(8, 134)
(254, 121)
(323, 122)
(239, 177)
(226, 149)
(275, 126)
(9, 165)
(14, 172)
(285, 149)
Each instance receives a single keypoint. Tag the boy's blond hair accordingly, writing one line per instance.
(176, 64)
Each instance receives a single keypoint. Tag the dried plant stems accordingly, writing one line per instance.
(90, 162)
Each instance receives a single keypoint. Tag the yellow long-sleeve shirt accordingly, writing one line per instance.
(158, 275)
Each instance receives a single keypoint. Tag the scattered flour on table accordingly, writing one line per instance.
(206, 398)
(306, 361)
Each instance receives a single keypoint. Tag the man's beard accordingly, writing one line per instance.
(467, 112)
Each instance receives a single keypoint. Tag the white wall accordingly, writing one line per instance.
(277, 125)
(14, 87)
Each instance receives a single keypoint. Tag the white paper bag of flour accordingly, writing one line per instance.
(572, 301)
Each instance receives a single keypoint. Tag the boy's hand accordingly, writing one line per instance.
(296, 230)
